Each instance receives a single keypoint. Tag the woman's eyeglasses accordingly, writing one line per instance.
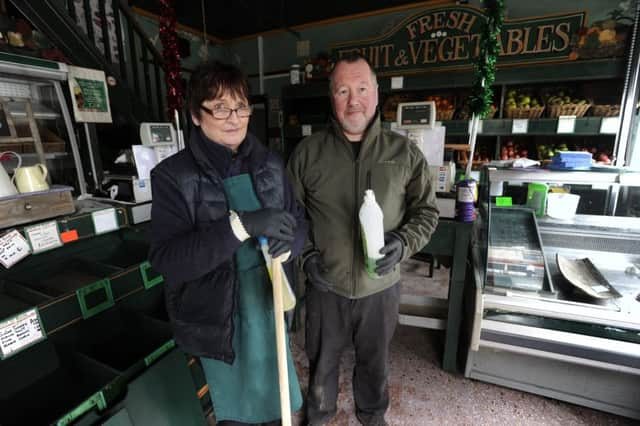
(223, 113)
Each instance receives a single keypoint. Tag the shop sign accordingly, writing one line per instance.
(449, 37)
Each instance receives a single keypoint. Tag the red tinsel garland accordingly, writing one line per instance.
(171, 56)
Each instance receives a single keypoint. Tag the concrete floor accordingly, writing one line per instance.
(424, 394)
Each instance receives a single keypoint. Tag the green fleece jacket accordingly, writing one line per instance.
(330, 183)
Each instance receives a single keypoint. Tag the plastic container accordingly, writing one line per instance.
(537, 197)
(372, 230)
(119, 339)
(294, 74)
(466, 196)
(44, 382)
(562, 205)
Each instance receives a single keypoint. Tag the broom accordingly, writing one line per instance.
(278, 311)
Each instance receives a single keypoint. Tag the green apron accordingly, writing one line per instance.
(248, 390)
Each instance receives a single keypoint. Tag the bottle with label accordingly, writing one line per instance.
(294, 74)
(288, 296)
(372, 230)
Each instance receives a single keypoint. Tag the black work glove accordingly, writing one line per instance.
(392, 251)
(316, 270)
(278, 247)
(270, 223)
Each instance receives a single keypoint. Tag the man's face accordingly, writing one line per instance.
(355, 97)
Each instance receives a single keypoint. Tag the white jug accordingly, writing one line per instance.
(6, 187)
(31, 178)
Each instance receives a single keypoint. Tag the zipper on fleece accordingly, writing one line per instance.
(356, 228)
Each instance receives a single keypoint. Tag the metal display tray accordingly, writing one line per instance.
(583, 274)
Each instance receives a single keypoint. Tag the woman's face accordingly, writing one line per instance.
(229, 131)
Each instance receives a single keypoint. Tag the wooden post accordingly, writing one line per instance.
(281, 346)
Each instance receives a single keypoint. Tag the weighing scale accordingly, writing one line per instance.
(417, 121)
(159, 141)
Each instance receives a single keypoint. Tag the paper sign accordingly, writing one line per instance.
(610, 124)
(520, 125)
(69, 236)
(89, 95)
(566, 124)
(479, 126)
(397, 82)
(13, 248)
(145, 159)
(599, 289)
(44, 236)
(105, 221)
(19, 332)
(306, 130)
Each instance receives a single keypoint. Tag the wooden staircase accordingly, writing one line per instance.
(135, 65)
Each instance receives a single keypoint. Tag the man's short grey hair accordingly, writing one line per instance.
(350, 59)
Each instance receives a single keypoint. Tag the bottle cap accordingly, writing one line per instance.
(369, 195)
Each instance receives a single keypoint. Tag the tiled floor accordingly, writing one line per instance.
(423, 394)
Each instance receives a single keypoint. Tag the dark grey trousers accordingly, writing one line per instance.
(333, 323)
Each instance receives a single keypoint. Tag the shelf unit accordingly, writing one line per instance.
(310, 108)
(100, 307)
(31, 90)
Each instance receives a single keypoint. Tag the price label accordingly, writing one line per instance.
(44, 236)
(105, 220)
(610, 124)
(520, 125)
(19, 332)
(397, 82)
(13, 248)
(566, 124)
(479, 126)
(306, 130)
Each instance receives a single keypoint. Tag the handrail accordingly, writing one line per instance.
(124, 7)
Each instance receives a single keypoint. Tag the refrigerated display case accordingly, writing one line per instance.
(557, 339)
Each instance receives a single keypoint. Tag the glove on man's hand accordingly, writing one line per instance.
(279, 247)
(392, 251)
(270, 223)
(316, 270)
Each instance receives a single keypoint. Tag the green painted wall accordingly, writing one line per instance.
(280, 48)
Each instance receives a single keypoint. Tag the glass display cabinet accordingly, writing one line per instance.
(556, 303)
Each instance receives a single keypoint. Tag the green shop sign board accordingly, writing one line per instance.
(449, 37)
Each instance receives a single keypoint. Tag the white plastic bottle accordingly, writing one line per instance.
(372, 230)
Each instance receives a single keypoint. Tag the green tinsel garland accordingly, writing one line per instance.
(485, 65)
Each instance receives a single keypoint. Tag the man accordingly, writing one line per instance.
(331, 171)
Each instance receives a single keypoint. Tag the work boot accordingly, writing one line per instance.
(371, 420)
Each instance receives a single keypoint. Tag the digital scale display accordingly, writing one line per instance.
(416, 114)
(154, 134)
(161, 134)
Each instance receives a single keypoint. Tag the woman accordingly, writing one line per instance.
(210, 201)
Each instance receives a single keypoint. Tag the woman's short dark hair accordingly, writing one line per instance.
(212, 79)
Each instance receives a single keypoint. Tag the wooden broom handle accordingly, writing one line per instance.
(278, 312)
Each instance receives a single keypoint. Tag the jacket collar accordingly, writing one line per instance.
(214, 159)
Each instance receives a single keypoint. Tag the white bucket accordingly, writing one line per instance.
(561, 205)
